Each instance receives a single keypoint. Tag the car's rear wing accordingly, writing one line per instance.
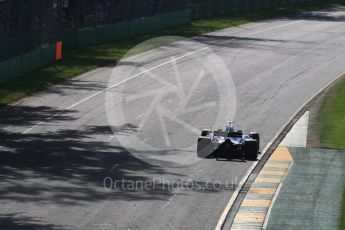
(220, 133)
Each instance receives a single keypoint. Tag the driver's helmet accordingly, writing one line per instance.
(230, 126)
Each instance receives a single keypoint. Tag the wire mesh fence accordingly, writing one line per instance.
(209, 8)
(26, 25)
(29, 24)
(79, 14)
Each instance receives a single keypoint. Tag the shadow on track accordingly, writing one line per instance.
(15, 221)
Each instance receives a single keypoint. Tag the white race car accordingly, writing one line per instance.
(228, 143)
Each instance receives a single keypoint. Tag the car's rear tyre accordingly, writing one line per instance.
(256, 137)
(205, 147)
(251, 149)
(205, 132)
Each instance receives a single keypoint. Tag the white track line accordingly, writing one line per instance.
(276, 27)
(112, 86)
(146, 71)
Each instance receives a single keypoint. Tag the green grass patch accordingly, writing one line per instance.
(332, 126)
(78, 61)
(332, 117)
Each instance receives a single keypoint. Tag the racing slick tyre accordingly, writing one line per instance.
(205, 147)
(251, 149)
(255, 136)
(205, 132)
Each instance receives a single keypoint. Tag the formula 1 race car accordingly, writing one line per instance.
(228, 143)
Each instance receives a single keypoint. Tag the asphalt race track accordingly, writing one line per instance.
(58, 146)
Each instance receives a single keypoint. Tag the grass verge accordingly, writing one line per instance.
(78, 61)
(332, 117)
(332, 126)
(328, 125)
